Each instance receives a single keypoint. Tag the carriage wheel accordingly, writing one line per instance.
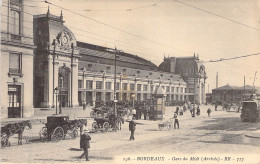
(95, 126)
(73, 133)
(43, 133)
(160, 127)
(4, 140)
(106, 126)
(168, 127)
(92, 114)
(58, 134)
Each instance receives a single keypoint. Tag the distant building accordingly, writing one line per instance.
(208, 98)
(16, 59)
(192, 71)
(232, 94)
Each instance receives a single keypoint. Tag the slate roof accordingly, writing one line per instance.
(229, 87)
(95, 53)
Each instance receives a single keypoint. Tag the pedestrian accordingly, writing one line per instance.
(84, 143)
(193, 111)
(177, 110)
(190, 110)
(134, 113)
(184, 108)
(198, 110)
(84, 106)
(181, 111)
(132, 126)
(209, 111)
(238, 109)
(176, 121)
(216, 107)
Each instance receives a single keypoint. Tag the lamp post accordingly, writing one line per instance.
(71, 78)
(83, 85)
(115, 100)
(133, 96)
(60, 93)
(56, 93)
(53, 69)
(151, 89)
(194, 72)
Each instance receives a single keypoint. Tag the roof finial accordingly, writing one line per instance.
(61, 16)
(48, 12)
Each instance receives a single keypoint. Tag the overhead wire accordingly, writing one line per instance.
(232, 58)
(125, 43)
(217, 15)
(88, 37)
(209, 61)
(110, 26)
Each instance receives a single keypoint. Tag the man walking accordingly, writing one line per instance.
(209, 111)
(132, 125)
(198, 110)
(84, 106)
(177, 110)
(84, 143)
(176, 121)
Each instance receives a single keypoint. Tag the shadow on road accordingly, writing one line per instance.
(227, 129)
(227, 124)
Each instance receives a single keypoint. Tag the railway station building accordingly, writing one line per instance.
(71, 72)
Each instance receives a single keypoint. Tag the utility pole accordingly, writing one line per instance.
(115, 100)
(194, 72)
(53, 71)
(217, 80)
(253, 88)
(244, 87)
(71, 78)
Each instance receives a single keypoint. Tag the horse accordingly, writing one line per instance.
(12, 129)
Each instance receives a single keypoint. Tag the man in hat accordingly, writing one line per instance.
(176, 121)
(132, 125)
(84, 143)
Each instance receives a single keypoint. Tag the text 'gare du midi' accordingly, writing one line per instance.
(43, 58)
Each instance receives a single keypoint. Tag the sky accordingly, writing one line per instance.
(153, 29)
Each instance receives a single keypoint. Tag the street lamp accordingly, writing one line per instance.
(61, 85)
(56, 93)
(53, 69)
(83, 85)
(115, 100)
(133, 96)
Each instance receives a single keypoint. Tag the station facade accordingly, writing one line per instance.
(57, 68)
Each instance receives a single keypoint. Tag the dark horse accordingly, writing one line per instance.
(12, 129)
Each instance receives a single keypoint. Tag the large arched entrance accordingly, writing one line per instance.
(64, 85)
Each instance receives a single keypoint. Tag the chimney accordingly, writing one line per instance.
(217, 80)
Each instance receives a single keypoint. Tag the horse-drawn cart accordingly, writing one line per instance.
(105, 123)
(167, 124)
(100, 111)
(11, 128)
(58, 126)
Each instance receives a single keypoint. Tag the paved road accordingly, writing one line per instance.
(222, 133)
